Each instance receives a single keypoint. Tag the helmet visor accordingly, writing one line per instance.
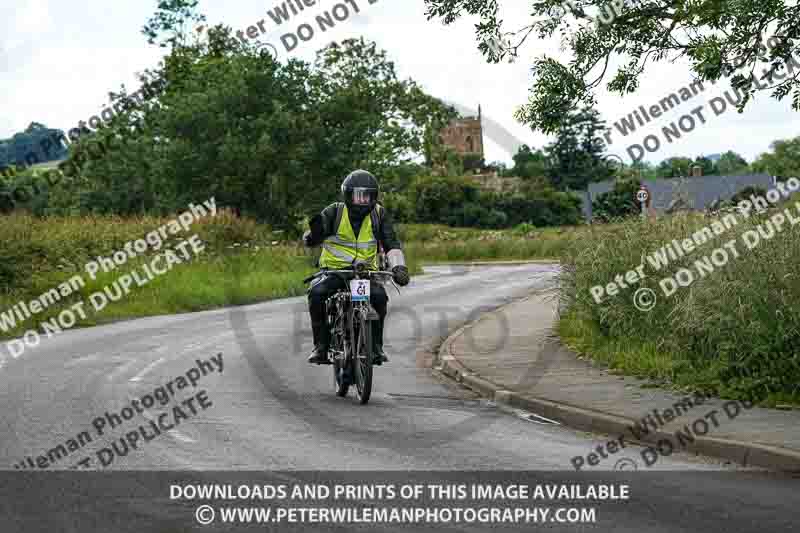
(363, 195)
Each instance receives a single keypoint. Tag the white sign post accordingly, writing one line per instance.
(642, 195)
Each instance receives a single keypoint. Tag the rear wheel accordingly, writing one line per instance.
(363, 357)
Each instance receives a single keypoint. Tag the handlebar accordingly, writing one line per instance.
(350, 272)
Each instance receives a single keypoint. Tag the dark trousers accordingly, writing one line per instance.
(326, 286)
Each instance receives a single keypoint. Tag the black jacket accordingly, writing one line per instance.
(384, 232)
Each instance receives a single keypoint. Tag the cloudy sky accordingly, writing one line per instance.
(58, 60)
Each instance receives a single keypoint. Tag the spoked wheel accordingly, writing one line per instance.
(341, 374)
(340, 381)
(362, 360)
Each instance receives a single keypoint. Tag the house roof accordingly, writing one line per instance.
(698, 192)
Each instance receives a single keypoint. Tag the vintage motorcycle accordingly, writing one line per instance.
(348, 315)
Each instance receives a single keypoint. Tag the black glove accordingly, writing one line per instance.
(400, 275)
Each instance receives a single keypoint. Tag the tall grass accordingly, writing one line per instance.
(734, 332)
(243, 262)
(432, 243)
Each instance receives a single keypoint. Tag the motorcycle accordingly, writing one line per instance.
(349, 315)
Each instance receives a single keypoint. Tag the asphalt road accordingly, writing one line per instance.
(269, 410)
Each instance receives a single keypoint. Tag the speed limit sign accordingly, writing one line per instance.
(642, 195)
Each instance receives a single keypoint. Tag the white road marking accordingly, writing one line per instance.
(177, 435)
(145, 370)
(80, 360)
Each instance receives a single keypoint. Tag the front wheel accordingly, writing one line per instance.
(340, 380)
(362, 360)
(342, 374)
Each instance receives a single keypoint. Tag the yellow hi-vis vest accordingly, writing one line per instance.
(341, 249)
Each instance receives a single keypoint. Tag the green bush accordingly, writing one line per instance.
(441, 199)
(745, 194)
(399, 205)
(459, 202)
(617, 203)
(544, 207)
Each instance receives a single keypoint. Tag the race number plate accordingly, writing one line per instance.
(359, 290)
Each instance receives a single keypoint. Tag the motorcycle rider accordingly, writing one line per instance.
(350, 230)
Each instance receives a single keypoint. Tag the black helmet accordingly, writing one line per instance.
(360, 190)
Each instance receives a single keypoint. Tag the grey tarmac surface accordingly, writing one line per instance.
(272, 411)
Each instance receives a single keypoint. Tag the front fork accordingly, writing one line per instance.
(371, 315)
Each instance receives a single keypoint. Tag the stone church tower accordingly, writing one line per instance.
(465, 135)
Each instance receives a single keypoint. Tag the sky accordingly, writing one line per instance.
(59, 60)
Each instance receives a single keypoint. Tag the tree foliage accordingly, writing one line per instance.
(620, 202)
(783, 161)
(576, 156)
(750, 41)
(730, 163)
(270, 140)
(674, 167)
(529, 164)
(458, 201)
(36, 144)
(706, 165)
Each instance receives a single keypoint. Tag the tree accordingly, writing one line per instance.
(379, 120)
(639, 170)
(170, 24)
(784, 161)
(529, 164)
(618, 202)
(272, 141)
(674, 167)
(730, 163)
(575, 158)
(705, 164)
(500, 167)
(442, 199)
(36, 144)
(720, 39)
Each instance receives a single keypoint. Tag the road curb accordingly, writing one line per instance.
(582, 418)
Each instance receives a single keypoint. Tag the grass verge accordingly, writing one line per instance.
(733, 332)
(243, 263)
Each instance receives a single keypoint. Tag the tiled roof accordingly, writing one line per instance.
(698, 193)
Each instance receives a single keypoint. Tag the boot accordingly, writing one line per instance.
(379, 356)
(320, 354)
